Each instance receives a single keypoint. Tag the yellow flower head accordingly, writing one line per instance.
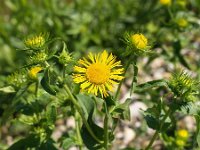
(182, 134)
(37, 41)
(182, 22)
(139, 41)
(34, 71)
(165, 2)
(98, 73)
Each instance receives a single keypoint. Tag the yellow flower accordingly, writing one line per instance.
(98, 73)
(182, 22)
(182, 134)
(34, 71)
(165, 2)
(139, 41)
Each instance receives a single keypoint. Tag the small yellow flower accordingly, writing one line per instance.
(182, 22)
(98, 73)
(182, 134)
(165, 2)
(139, 41)
(34, 71)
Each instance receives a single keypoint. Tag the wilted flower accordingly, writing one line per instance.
(98, 73)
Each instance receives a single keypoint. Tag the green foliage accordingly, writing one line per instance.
(54, 34)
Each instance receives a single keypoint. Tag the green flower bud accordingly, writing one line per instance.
(137, 44)
(39, 57)
(37, 41)
(184, 87)
(18, 78)
(64, 57)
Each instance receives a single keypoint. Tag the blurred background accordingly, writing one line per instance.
(93, 25)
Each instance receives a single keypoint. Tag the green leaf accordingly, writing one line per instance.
(7, 89)
(48, 145)
(29, 142)
(177, 50)
(87, 104)
(51, 114)
(122, 110)
(150, 85)
(67, 143)
(29, 120)
(47, 84)
(152, 122)
(110, 101)
(88, 140)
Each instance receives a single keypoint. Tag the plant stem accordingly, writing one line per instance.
(64, 71)
(157, 131)
(78, 134)
(36, 88)
(135, 74)
(79, 109)
(119, 87)
(106, 127)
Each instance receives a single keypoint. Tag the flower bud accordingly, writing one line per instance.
(64, 57)
(37, 41)
(39, 57)
(139, 41)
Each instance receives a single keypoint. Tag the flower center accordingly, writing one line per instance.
(98, 73)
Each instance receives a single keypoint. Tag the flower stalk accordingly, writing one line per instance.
(79, 109)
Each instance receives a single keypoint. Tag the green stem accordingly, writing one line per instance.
(135, 74)
(106, 127)
(79, 109)
(36, 88)
(78, 134)
(157, 131)
(119, 87)
(64, 71)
